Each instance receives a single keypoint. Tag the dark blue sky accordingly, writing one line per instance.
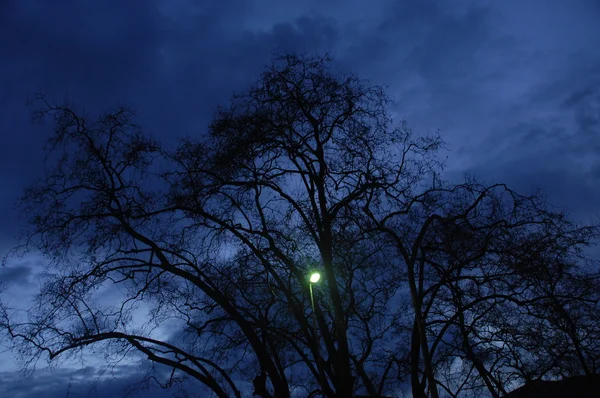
(513, 85)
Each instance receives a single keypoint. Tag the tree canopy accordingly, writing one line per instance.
(445, 289)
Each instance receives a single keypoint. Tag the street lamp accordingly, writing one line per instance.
(314, 278)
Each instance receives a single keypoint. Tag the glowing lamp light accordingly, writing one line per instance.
(314, 277)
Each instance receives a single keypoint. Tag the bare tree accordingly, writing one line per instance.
(285, 165)
(305, 171)
(223, 239)
(486, 263)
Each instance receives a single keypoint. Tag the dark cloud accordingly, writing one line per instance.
(555, 148)
(16, 275)
(586, 105)
(565, 187)
(94, 51)
(91, 382)
(173, 62)
(578, 96)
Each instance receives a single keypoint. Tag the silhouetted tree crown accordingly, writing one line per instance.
(446, 289)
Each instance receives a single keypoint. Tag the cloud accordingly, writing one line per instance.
(552, 141)
(175, 62)
(92, 382)
(16, 275)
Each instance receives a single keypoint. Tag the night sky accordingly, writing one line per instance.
(513, 86)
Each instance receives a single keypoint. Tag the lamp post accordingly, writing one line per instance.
(314, 278)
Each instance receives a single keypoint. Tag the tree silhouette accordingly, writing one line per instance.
(304, 171)
(487, 264)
